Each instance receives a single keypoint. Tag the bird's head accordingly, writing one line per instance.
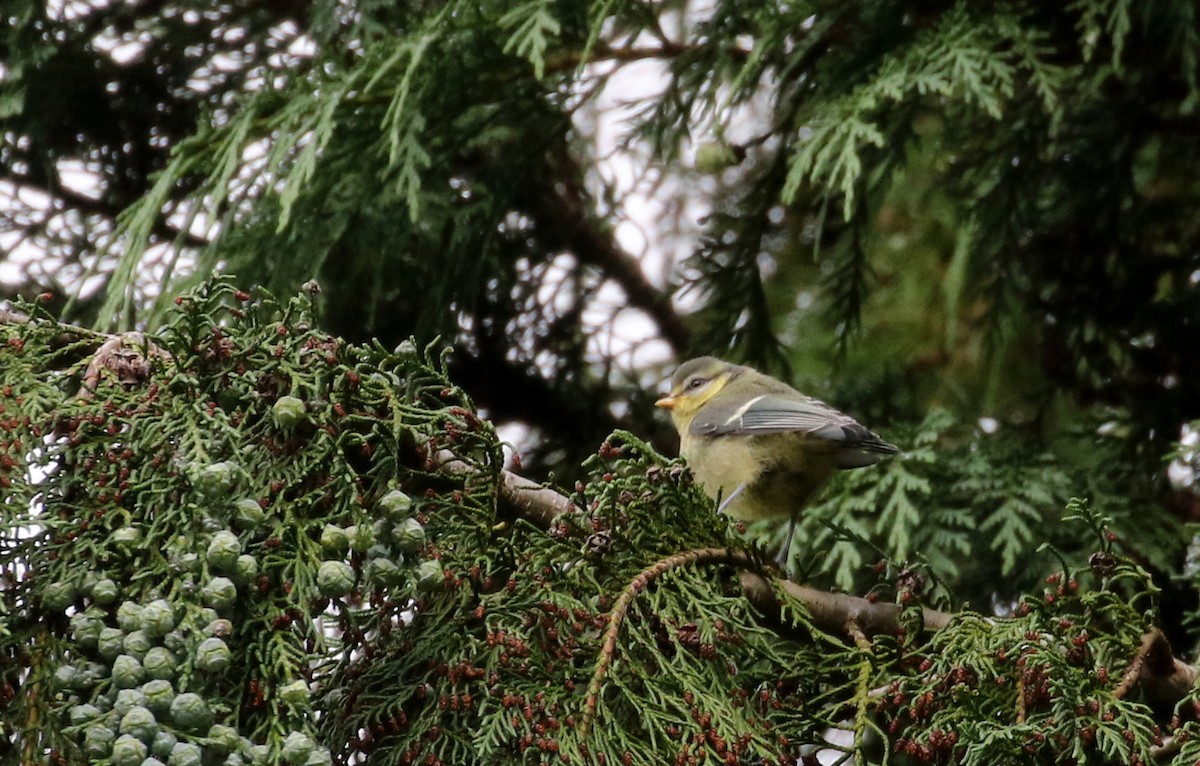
(694, 383)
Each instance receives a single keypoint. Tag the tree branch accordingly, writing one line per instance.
(831, 611)
(566, 222)
(1154, 669)
(566, 61)
(513, 393)
(617, 614)
(532, 501)
(68, 333)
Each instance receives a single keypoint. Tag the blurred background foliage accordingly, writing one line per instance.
(971, 225)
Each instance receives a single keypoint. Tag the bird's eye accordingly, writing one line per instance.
(696, 383)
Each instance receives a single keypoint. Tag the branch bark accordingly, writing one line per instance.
(567, 221)
(1156, 669)
(831, 611)
(533, 501)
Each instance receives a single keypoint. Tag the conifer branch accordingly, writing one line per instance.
(69, 199)
(862, 695)
(617, 615)
(1155, 669)
(530, 500)
(1170, 746)
(68, 333)
(533, 501)
(1020, 698)
(1134, 671)
(127, 356)
(833, 611)
(860, 639)
(8, 316)
(566, 61)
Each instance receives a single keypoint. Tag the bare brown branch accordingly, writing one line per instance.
(533, 501)
(832, 611)
(568, 218)
(1157, 671)
(127, 357)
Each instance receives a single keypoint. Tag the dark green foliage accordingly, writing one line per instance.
(971, 225)
(1037, 688)
(147, 609)
(107, 90)
(969, 511)
(497, 662)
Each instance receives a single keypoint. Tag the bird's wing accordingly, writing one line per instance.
(772, 414)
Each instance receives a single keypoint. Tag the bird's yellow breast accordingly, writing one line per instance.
(722, 464)
(780, 472)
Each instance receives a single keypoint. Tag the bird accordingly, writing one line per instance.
(759, 447)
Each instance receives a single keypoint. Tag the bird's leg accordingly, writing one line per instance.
(732, 496)
(783, 556)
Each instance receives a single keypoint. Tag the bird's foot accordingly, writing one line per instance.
(725, 502)
(784, 556)
(782, 560)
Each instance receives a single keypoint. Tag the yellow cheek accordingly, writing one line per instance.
(686, 406)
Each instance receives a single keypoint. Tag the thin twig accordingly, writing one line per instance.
(862, 695)
(1156, 670)
(616, 616)
(855, 632)
(1021, 697)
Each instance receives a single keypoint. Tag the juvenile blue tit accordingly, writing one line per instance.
(759, 445)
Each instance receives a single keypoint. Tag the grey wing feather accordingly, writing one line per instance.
(769, 414)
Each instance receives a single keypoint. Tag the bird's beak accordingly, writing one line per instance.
(667, 403)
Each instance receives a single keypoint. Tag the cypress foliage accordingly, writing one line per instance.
(926, 213)
(251, 541)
